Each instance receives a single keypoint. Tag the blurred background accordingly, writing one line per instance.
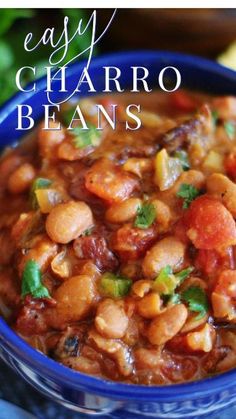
(207, 32)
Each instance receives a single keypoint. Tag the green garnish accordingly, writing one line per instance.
(38, 183)
(183, 157)
(182, 275)
(87, 232)
(215, 116)
(229, 129)
(171, 299)
(114, 286)
(67, 116)
(167, 282)
(85, 137)
(196, 299)
(32, 281)
(82, 137)
(146, 215)
(188, 193)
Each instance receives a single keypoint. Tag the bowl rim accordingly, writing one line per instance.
(16, 347)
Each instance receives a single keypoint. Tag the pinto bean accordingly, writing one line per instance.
(147, 358)
(21, 179)
(111, 320)
(165, 326)
(163, 216)
(149, 306)
(8, 164)
(110, 182)
(138, 166)
(75, 298)
(123, 211)
(68, 220)
(191, 177)
(168, 251)
(221, 187)
(49, 140)
(202, 339)
(42, 252)
(141, 287)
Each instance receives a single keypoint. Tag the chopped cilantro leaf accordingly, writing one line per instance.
(67, 116)
(188, 193)
(183, 157)
(174, 299)
(182, 275)
(215, 116)
(167, 282)
(196, 299)
(32, 281)
(85, 137)
(88, 232)
(146, 215)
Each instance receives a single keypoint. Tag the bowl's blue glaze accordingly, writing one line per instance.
(76, 390)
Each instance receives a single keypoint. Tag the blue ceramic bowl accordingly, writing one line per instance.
(85, 393)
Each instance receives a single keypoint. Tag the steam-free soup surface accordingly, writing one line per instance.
(118, 247)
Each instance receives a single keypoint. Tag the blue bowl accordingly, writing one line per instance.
(78, 391)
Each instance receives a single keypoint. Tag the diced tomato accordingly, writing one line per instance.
(210, 224)
(182, 101)
(110, 182)
(230, 164)
(209, 261)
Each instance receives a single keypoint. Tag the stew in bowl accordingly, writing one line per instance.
(118, 246)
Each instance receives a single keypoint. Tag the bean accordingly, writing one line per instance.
(165, 326)
(111, 320)
(138, 166)
(49, 140)
(141, 287)
(21, 179)
(123, 211)
(223, 188)
(67, 221)
(8, 164)
(168, 251)
(75, 299)
(202, 339)
(163, 216)
(191, 177)
(147, 358)
(149, 306)
(43, 251)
